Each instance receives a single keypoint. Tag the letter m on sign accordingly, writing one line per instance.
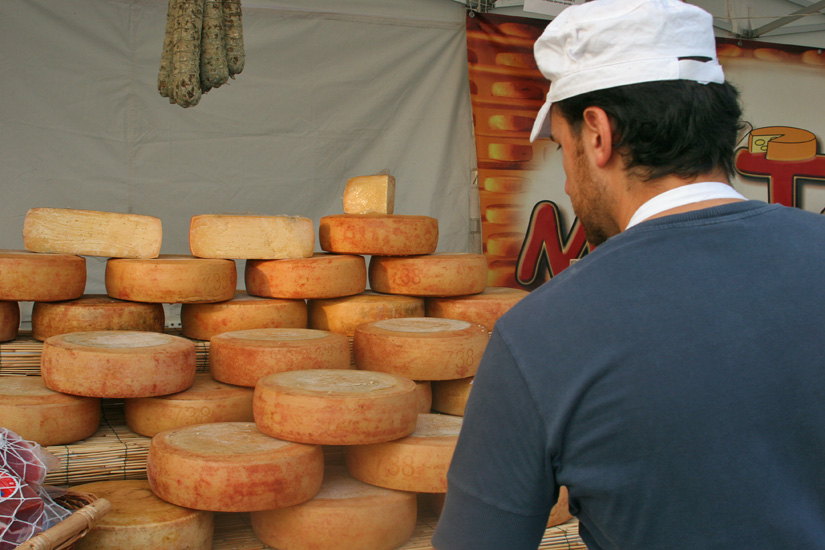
(544, 244)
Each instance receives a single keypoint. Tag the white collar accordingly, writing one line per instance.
(682, 195)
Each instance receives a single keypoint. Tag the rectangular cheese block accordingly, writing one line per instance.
(251, 237)
(92, 233)
(370, 195)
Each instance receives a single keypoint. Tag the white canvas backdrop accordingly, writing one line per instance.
(330, 90)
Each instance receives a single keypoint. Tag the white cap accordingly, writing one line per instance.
(608, 43)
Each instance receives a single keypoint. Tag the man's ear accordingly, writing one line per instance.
(597, 135)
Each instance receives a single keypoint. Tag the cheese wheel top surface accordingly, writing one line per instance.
(205, 388)
(133, 503)
(264, 336)
(30, 390)
(115, 340)
(233, 441)
(339, 485)
(421, 325)
(328, 382)
(437, 426)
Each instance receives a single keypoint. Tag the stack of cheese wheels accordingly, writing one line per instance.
(32, 277)
(318, 276)
(378, 234)
(417, 463)
(342, 315)
(335, 407)
(483, 308)
(242, 312)
(118, 363)
(346, 514)
(232, 467)
(9, 320)
(139, 519)
(251, 237)
(92, 233)
(93, 312)
(206, 401)
(36, 413)
(420, 348)
(171, 279)
(245, 356)
(429, 275)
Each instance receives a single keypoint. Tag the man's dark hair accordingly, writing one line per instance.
(678, 127)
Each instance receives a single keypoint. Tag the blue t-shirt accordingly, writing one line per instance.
(673, 380)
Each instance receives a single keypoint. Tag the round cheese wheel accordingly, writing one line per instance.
(429, 275)
(171, 279)
(335, 407)
(378, 234)
(346, 514)
(242, 312)
(139, 519)
(424, 393)
(420, 348)
(416, 463)
(232, 467)
(36, 413)
(483, 308)
(251, 237)
(32, 277)
(506, 184)
(94, 312)
(450, 396)
(245, 356)
(118, 363)
(206, 401)
(342, 315)
(504, 213)
(320, 276)
(92, 233)
(9, 320)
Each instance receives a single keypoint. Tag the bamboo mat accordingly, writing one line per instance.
(21, 356)
(111, 453)
(234, 532)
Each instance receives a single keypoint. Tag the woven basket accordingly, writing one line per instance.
(86, 510)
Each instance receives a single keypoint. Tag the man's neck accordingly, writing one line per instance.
(642, 191)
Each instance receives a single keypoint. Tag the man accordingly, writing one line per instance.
(674, 378)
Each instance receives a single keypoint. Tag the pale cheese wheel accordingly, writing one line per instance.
(36, 413)
(118, 363)
(139, 519)
(33, 277)
(378, 234)
(335, 407)
(9, 320)
(251, 237)
(92, 233)
(416, 463)
(450, 396)
(93, 312)
(484, 308)
(424, 395)
(243, 357)
(232, 467)
(171, 279)
(320, 276)
(369, 195)
(242, 312)
(429, 275)
(346, 514)
(342, 315)
(205, 402)
(421, 348)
